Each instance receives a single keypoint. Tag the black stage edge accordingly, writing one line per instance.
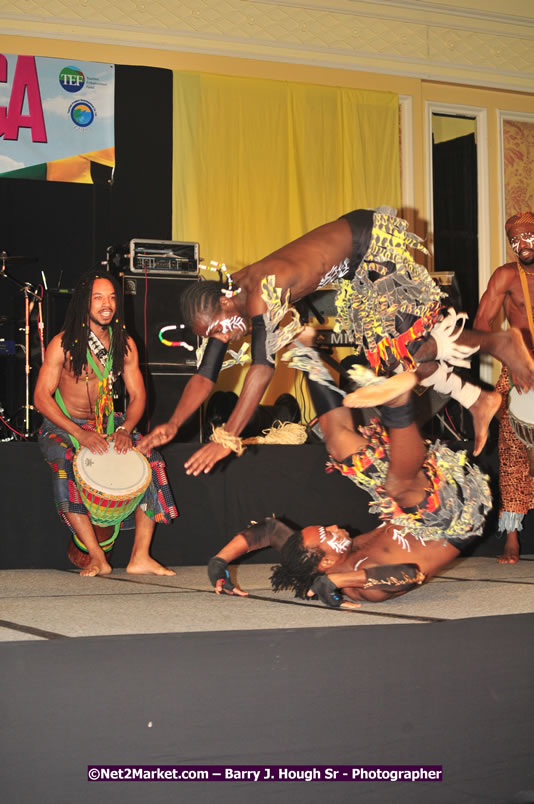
(288, 481)
(456, 694)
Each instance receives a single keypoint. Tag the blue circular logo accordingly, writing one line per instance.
(82, 113)
(71, 79)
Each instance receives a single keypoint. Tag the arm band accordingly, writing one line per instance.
(259, 341)
(324, 397)
(212, 359)
(269, 533)
(399, 417)
(394, 577)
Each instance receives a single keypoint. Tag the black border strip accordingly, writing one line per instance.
(28, 629)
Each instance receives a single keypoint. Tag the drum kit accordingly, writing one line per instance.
(33, 299)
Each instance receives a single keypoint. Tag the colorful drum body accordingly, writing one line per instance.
(111, 485)
(521, 412)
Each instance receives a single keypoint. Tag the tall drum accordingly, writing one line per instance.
(521, 412)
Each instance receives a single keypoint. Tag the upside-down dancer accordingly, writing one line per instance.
(74, 392)
(388, 304)
(431, 500)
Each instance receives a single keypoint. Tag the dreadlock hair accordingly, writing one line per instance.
(201, 300)
(298, 568)
(76, 329)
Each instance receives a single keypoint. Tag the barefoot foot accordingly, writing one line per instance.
(483, 411)
(96, 566)
(381, 392)
(511, 549)
(145, 565)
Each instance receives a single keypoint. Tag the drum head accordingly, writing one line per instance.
(521, 406)
(113, 472)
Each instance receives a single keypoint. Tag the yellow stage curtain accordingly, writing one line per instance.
(258, 162)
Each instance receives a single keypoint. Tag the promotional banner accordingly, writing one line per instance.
(56, 119)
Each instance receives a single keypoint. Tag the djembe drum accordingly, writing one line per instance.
(521, 412)
(111, 486)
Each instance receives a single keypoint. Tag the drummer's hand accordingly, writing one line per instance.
(204, 459)
(161, 434)
(122, 440)
(96, 442)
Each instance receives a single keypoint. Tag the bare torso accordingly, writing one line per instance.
(79, 393)
(505, 292)
(298, 266)
(515, 308)
(380, 547)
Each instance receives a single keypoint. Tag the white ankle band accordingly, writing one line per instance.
(448, 383)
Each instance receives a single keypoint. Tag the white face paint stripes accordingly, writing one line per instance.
(334, 540)
(527, 238)
(236, 322)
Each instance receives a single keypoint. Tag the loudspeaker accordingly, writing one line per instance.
(151, 313)
(163, 391)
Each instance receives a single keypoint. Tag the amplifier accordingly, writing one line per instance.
(151, 312)
(163, 257)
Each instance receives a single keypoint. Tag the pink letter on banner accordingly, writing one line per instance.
(25, 81)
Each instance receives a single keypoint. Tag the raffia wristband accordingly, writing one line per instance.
(233, 442)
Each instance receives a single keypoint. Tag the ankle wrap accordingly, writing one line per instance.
(444, 381)
(401, 416)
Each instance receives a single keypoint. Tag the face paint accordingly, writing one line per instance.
(524, 240)
(335, 541)
(236, 322)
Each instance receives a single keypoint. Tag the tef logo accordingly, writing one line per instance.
(82, 113)
(71, 79)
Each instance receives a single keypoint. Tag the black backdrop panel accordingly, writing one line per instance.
(288, 481)
(164, 388)
(151, 306)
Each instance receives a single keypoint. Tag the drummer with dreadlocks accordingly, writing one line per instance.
(74, 393)
(387, 303)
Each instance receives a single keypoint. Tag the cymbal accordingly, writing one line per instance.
(7, 259)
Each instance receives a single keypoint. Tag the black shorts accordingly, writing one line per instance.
(361, 226)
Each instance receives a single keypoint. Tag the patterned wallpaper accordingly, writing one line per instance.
(518, 138)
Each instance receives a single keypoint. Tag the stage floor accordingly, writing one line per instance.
(50, 604)
(144, 671)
